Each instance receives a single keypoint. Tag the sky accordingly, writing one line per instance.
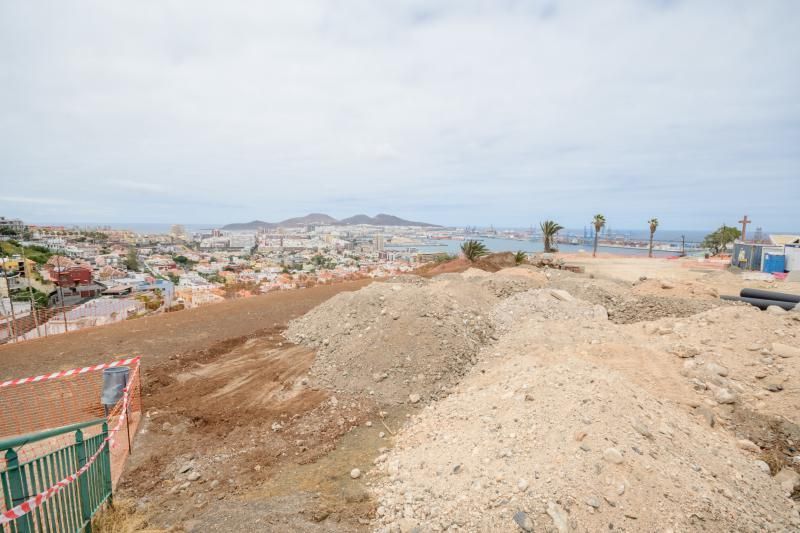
(454, 112)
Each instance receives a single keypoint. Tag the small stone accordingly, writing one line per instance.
(748, 445)
(707, 414)
(592, 501)
(773, 386)
(641, 429)
(185, 468)
(523, 521)
(368, 423)
(522, 485)
(788, 479)
(257, 468)
(725, 396)
(355, 473)
(716, 369)
(763, 466)
(784, 350)
(381, 435)
(413, 398)
(665, 284)
(193, 476)
(612, 455)
(559, 517)
(776, 310)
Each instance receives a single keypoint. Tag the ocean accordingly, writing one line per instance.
(514, 245)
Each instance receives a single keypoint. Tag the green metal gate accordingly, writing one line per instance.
(71, 508)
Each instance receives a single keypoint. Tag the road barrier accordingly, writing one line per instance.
(59, 460)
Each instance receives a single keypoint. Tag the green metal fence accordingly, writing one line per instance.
(71, 508)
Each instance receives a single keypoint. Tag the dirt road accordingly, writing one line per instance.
(158, 337)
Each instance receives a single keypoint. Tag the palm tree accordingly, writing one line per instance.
(549, 230)
(599, 221)
(653, 225)
(520, 257)
(473, 249)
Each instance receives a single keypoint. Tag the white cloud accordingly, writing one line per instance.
(139, 186)
(518, 108)
(35, 200)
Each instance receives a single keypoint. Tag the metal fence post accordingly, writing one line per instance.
(19, 492)
(106, 465)
(83, 482)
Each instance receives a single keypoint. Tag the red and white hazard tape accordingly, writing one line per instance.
(66, 373)
(32, 503)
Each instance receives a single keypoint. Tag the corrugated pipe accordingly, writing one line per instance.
(760, 302)
(770, 295)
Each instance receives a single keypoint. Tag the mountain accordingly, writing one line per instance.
(356, 219)
(255, 224)
(311, 218)
(381, 219)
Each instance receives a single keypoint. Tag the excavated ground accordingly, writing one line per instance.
(467, 400)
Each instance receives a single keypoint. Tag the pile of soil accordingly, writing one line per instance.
(487, 263)
(409, 339)
(536, 439)
(625, 307)
(545, 304)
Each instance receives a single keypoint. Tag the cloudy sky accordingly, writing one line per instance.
(455, 112)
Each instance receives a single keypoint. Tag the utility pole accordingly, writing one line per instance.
(683, 245)
(61, 291)
(11, 303)
(34, 312)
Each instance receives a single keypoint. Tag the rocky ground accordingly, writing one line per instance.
(680, 416)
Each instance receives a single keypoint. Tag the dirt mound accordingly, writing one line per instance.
(487, 263)
(392, 340)
(673, 288)
(567, 445)
(544, 304)
(495, 262)
(625, 307)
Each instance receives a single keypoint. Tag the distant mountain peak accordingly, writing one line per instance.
(381, 219)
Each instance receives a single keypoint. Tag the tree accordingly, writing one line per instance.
(520, 257)
(472, 249)
(132, 260)
(598, 221)
(653, 225)
(549, 229)
(717, 241)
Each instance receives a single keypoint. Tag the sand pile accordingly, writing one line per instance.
(507, 281)
(625, 307)
(544, 304)
(536, 440)
(405, 340)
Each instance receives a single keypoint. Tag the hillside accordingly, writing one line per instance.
(493, 399)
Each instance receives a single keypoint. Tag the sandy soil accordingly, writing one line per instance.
(239, 434)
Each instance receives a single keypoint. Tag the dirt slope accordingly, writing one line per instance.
(158, 337)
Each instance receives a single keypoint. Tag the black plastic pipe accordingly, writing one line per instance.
(760, 302)
(770, 295)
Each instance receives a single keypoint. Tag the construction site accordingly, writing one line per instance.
(583, 394)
